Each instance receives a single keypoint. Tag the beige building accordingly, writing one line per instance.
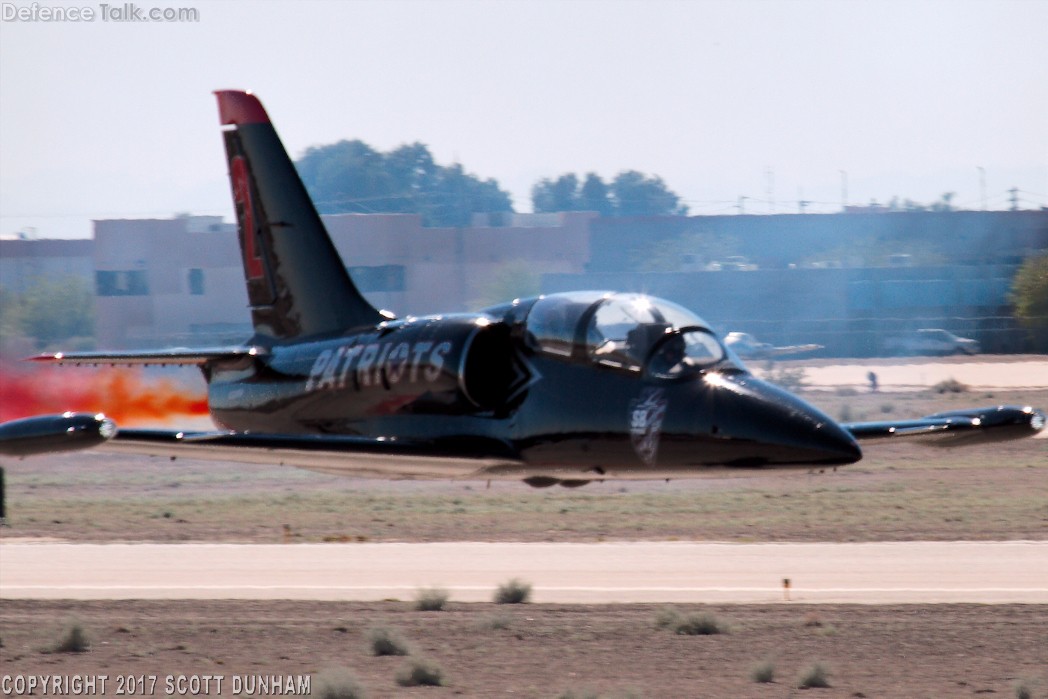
(169, 282)
(25, 262)
(409, 269)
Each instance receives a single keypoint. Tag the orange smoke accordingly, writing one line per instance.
(125, 394)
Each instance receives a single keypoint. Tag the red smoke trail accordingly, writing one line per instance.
(125, 394)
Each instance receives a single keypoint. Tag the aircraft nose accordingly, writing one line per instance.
(776, 425)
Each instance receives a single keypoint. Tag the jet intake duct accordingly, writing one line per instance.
(490, 372)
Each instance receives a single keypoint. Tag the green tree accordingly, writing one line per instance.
(561, 194)
(347, 177)
(1030, 296)
(10, 315)
(595, 196)
(411, 168)
(353, 177)
(635, 194)
(53, 311)
(945, 203)
(631, 193)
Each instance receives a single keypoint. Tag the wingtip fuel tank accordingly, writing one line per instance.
(44, 434)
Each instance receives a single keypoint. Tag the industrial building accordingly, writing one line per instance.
(842, 280)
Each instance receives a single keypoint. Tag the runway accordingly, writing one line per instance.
(900, 375)
(613, 572)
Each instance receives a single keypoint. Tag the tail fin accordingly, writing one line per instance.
(297, 285)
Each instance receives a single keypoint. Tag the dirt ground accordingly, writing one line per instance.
(896, 493)
(993, 493)
(488, 650)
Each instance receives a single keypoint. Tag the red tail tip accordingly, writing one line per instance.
(239, 107)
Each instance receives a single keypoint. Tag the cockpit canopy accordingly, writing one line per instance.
(623, 331)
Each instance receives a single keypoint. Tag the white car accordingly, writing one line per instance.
(930, 341)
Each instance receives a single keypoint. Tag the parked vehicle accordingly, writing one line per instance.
(930, 341)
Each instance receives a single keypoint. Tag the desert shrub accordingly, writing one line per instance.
(338, 683)
(666, 617)
(496, 622)
(383, 641)
(816, 676)
(1023, 690)
(813, 620)
(418, 672)
(587, 693)
(887, 408)
(763, 672)
(699, 625)
(950, 385)
(431, 599)
(583, 694)
(516, 591)
(73, 639)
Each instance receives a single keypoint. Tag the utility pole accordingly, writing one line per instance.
(742, 204)
(844, 189)
(982, 184)
(771, 190)
(1014, 191)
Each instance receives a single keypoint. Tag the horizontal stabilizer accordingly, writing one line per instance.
(167, 357)
(957, 427)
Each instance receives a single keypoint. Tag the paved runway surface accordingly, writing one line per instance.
(900, 375)
(874, 573)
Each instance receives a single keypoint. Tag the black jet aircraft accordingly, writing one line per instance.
(564, 388)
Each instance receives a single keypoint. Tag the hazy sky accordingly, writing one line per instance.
(721, 99)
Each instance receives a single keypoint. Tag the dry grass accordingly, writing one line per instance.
(386, 641)
(73, 639)
(551, 648)
(337, 683)
(763, 672)
(514, 591)
(815, 676)
(420, 672)
(431, 599)
(690, 624)
(950, 385)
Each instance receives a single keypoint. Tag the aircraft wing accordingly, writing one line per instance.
(381, 457)
(957, 427)
(164, 357)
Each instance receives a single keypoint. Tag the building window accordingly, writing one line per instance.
(378, 278)
(122, 283)
(196, 282)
